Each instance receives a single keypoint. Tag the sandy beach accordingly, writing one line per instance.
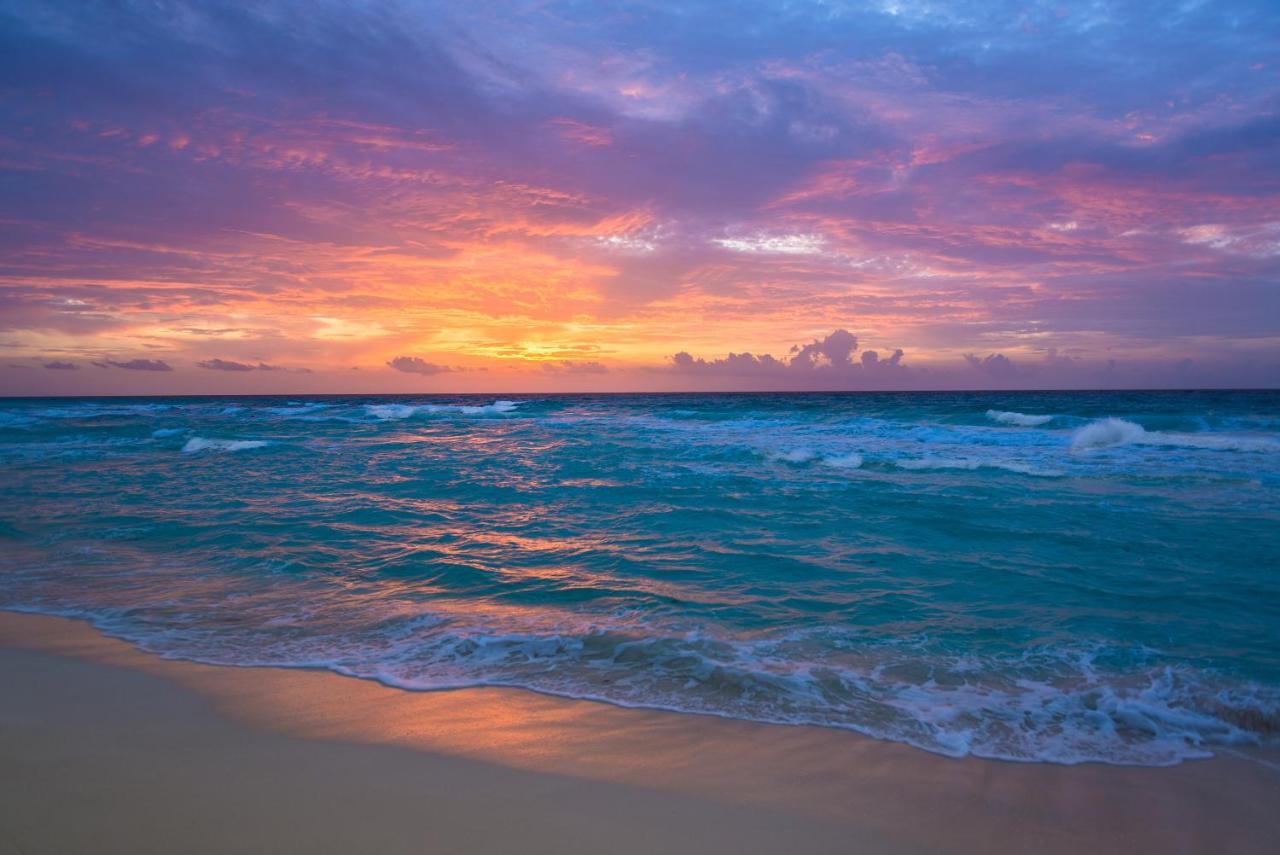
(107, 749)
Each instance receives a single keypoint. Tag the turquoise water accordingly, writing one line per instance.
(1059, 577)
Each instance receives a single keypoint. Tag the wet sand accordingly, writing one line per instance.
(106, 749)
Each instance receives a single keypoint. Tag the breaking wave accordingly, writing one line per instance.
(1109, 432)
(1045, 704)
(1007, 417)
(849, 460)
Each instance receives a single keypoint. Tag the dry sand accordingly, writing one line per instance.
(106, 749)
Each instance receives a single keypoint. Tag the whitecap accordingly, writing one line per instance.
(404, 411)
(497, 407)
(968, 463)
(1107, 432)
(1008, 417)
(197, 443)
(794, 455)
(390, 411)
(852, 460)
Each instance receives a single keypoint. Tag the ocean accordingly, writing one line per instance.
(1055, 577)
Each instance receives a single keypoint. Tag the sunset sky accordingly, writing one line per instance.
(483, 196)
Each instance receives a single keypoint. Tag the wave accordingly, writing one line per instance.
(1043, 705)
(160, 433)
(196, 444)
(390, 411)
(1109, 432)
(1007, 417)
(850, 460)
(972, 464)
(794, 455)
(497, 408)
(404, 411)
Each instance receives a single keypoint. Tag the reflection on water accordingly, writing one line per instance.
(1059, 577)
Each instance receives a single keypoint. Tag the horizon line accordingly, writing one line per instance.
(656, 393)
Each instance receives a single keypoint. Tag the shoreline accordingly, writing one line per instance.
(717, 784)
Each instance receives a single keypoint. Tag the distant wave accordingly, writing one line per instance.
(197, 443)
(794, 455)
(800, 455)
(390, 411)
(972, 464)
(1106, 432)
(1109, 432)
(1007, 417)
(404, 411)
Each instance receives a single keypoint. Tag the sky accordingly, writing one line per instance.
(277, 197)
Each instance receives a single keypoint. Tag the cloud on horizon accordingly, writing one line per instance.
(136, 364)
(827, 359)
(231, 365)
(417, 365)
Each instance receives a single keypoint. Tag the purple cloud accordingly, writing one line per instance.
(229, 365)
(418, 365)
(136, 365)
(58, 365)
(995, 365)
(825, 360)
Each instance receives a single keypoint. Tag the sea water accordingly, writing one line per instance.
(1060, 577)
